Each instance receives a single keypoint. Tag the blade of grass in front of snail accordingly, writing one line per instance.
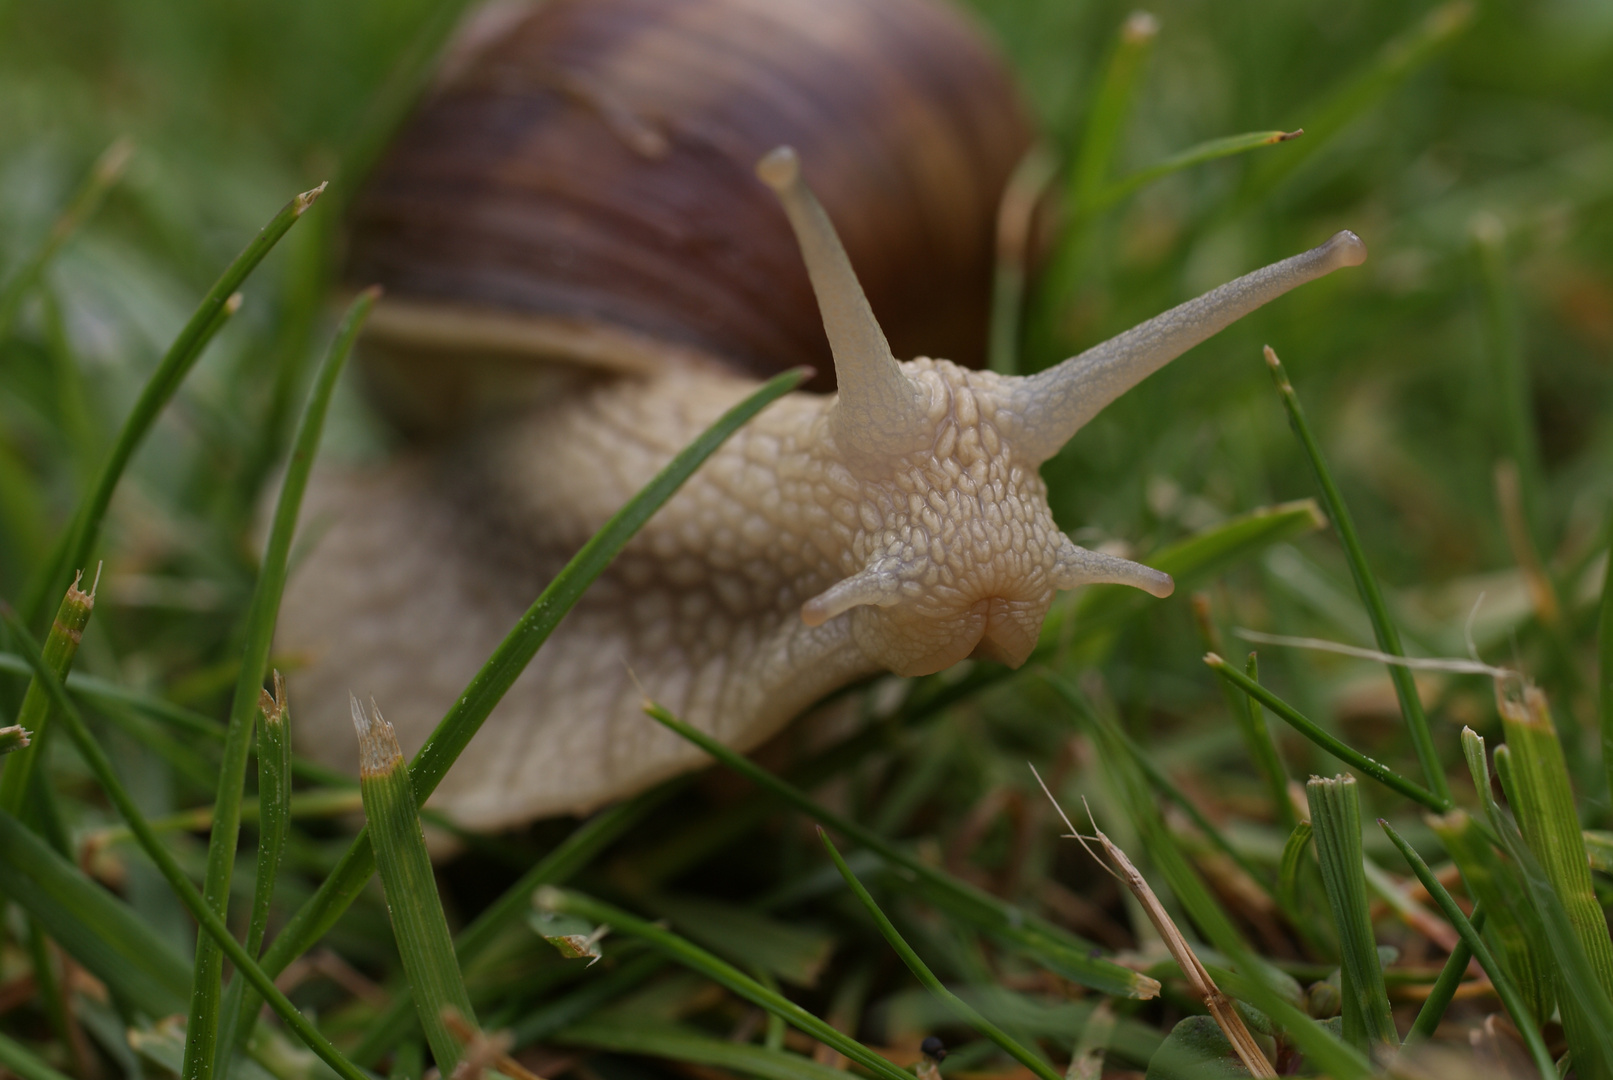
(960, 1008)
(201, 1028)
(1504, 987)
(101, 768)
(1039, 940)
(685, 952)
(75, 546)
(85, 201)
(1336, 824)
(1383, 627)
(464, 718)
(412, 902)
(571, 855)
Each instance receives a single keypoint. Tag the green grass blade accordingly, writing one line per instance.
(1016, 217)
(1543, 801)
(1383, 628)
(1394, 62)
(101, 768)
(274, 805)
(1336, 820)
(1504, 987)
(1039, 939)
(1604, 661)
(412, 902)
(1251, 721)
(273, 817)
(94, 927)
(176, 363)
(1204, 152)
(1094, 156)
(1509, 384)
(1293, 863)
(1444, 988)
(565, 902)
(487, 687)
(201, 1029)
(962, 1009)
(61, 646)
(1515, 928)
(1308, 728)
(18, 1059)
(102, 176)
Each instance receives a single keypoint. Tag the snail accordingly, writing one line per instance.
(897, 524)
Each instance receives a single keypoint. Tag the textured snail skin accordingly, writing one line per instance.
(899, 525)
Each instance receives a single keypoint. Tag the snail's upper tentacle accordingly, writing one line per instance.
(880, 413)
(1047, 408)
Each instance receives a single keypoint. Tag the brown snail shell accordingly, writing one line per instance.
(580, 186)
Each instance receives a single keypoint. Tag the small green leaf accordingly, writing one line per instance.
(1196, 1050)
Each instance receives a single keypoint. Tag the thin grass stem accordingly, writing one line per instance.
(75, 547)
(1504, 987)
(1308, 728)
(464, 718)
(201, 1028)
(962, 1009)
(692, 956)
(1200, 154)
(1383, 627)
(101, 767)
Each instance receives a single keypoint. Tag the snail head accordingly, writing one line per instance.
(957, 551)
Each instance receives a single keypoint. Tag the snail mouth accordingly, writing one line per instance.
(1010, 632)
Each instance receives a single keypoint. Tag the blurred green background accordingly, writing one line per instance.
(1471, 146)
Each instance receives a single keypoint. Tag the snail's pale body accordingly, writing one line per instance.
(703, 609)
